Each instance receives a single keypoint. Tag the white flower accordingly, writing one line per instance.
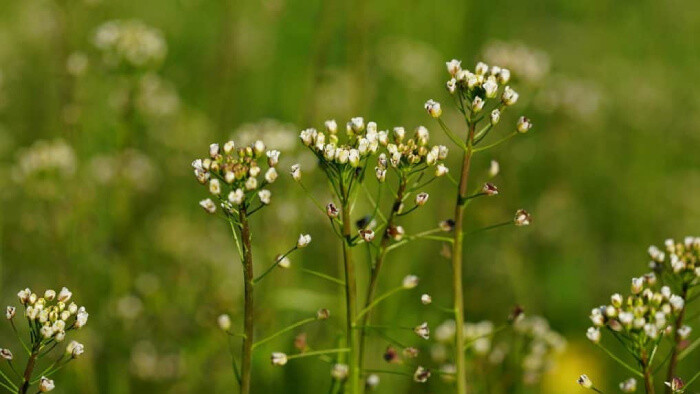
(441, 170)
(10, 312)
(629, 385)
(23, 296)
(522, 218)
(495, 116)
(295, 170)
(367, 235)
(213, 150)
(453, 66)
(426, 299)
(433, 108)
(49, 295)
(593, 334)
(342, 155)
(6, 354)
(340, 371)
(214, 187)
(616, 300)
(585, 382)
(422, 198)
(637, 285)
(273, 157)
(504, 76)
(64, 295)
(421, 375)
(451, 85)
(304, 240)
(489, 189)
(224, 322)
(494, 168)
(481, 68)
(380, 173)
(490, 87)
(477, 104)
(278, 358)
(651, 331)
(236, 197)
(259, 147)
(229, 146)
(81, 317)
(523, 125)
(422, 330)
(45, 384)
(357, 124)
(307, 136)
(677, 302)
(271, 175)
(331, 126)
(509, 96)
(264, 196)
(410, 282)
(684, 332)
(354, 157)
(75, 349)
(372, 381)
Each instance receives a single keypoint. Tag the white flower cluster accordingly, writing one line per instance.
(131, 43)
(362, 141)
(474, 90)
(44, 158)
(680, 258)
(231, 174)
(52, 315)
(642, 317)
(409, 154)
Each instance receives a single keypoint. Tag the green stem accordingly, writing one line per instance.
(323, 276)
(350, 297)
(248, 276)
(502, 140)
(673, 362)
(318, 353)
(378, 300)
(29, 369)
(619, 361)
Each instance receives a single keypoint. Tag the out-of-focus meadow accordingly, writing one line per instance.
(97, 192)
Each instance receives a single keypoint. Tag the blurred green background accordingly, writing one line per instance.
(611, 166)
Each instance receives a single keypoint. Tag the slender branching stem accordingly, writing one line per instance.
(284, 330)
(374, 276)
(318, 353)
(648, 377)
(457, 262)
(675, 351)
(248, 309)
(26, 381)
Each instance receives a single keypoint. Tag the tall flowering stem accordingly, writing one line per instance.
(473, 92)
(248, 309)
(231, 176)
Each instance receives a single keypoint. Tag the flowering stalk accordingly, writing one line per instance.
(248, 309)
(677, 340)
(350, 298)
(472, 91)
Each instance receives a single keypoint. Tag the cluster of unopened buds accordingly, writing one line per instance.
(410, 154)
(53, 318)
(362, 140)
(232, 175)
(50, 317)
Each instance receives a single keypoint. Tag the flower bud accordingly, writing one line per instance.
(323, 314)
(46, 384)
(283, 261)
(490, 87)
(229, 147)
(684, 332)
(509, 96)
(380, 173)
(489, 189)
(271, 175)
(213, 150)
(451, 86)
(426, 299)
(504, 76)
(49, 295)
(410, 282)
(75, 349)
(340, 372)
(332, 210)
(441, 170)
(616, 300)
(481, 68)
(585, 382)
(278, 359)
(296, 172)
(494, 169)
(477, 104)
(593, 334)
(215, 187)
(637, 285)
(495, 116)
(265, 196)
(447, 225)
(64, 295)
(372, 381)
(331, 126)
(304, 240)
(676, 384)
